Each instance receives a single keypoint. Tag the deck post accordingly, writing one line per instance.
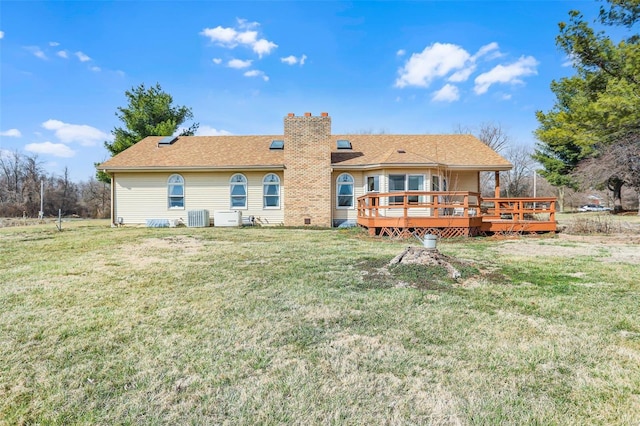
(497, 192)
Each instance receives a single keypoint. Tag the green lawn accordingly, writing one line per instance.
(278, 326)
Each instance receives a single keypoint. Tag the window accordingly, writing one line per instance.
(175, 186)
(344, 191)
(415, 183)
(238, 191)
(435, 183)
(373, 183)
(399, 183)
(271, 191)
(396, 184)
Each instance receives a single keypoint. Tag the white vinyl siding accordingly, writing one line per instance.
(142, 196)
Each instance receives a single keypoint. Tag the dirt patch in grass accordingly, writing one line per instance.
(151, 251)
(607, 248)
(424, 269)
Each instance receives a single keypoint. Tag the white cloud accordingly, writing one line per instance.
(448, 93)
(491, 48)
(82, 57)
(81, 133)
(263, 47)
(247, 37)
(256, 73)
(434, 61)
(401, 52)
(243, 35)
(222, 36)
(217, 61)
(239, 63)
(211, 131)
(11, 133)
(462, 75)
(95, 69)
(246, 25)
(49, 148)
(1, 35)
(62, 54)
(506, 74)
(37, 52)
(54, 43)
(292, 60)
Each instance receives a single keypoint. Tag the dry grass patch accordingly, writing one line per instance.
(279, 326)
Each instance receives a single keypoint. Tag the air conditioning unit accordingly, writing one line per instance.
(198, 218)
(227, 218)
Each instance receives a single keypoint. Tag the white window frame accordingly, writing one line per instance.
(340, 184)
(275, 183)
(407, 176)
(413, 199)
(170, 186)
(376, 183)
(232, 185)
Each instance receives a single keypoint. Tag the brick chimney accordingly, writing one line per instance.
(307, 174)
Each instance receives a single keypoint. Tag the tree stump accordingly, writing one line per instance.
(427, 257)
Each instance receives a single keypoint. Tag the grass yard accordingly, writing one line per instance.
(291, 326)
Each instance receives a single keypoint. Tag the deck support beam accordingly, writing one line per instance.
(497, 192)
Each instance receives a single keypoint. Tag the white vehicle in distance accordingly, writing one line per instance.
(593, 208)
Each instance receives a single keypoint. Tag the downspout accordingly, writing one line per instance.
(113, 200)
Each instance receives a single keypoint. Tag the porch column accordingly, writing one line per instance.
(497, 194)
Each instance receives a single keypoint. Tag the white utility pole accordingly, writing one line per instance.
(41, 212)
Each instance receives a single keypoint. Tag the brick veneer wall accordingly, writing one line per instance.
(307, 173)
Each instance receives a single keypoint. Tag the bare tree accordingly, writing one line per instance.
(95, 198)
(518, 181)
(495, 137)
(616, 165)
(491, 134)
(33, 174)
(11, 165)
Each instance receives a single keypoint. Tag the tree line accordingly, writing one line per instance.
(22, 177)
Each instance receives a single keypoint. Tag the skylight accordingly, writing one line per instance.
(343, 144)
(167, 140)
(277, 144)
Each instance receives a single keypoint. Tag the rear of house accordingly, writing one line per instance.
(305, 177)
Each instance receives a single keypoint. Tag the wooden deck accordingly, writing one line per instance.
(453, 214)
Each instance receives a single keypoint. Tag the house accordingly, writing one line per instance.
(305, 176)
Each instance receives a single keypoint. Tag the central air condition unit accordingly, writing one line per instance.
(227, 218)
(198, 218)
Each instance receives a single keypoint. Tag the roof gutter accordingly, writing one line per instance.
(421, 165)
(191, 168)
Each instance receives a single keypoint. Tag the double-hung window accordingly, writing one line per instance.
(344, 191)
(238, 191)
(397, 184)
(175, 189)
(401, 183)
(271, 191)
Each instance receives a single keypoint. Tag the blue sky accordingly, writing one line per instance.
(399, 67)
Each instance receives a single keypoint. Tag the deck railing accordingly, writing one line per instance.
(420, 204)
(520, 209)
(455, 209)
